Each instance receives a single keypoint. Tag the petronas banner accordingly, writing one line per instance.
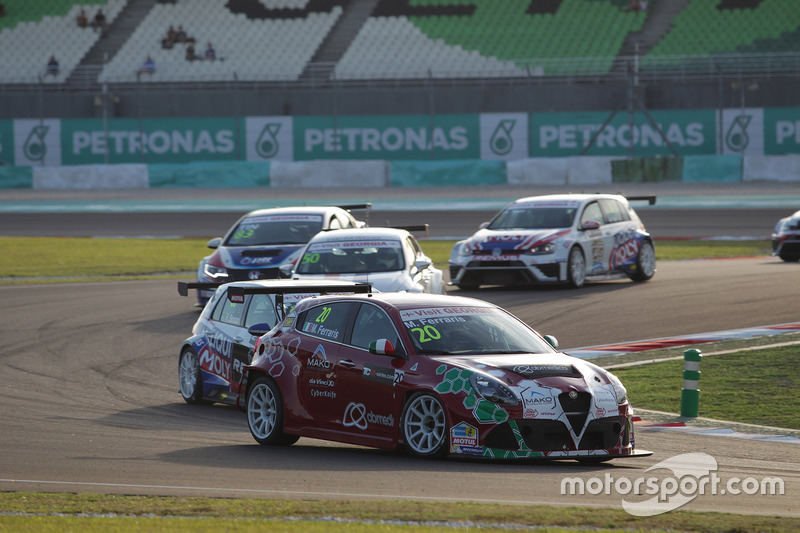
(487, 136)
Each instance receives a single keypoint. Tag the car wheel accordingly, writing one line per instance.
(265, 413)
(424, 426)
(645, 262)
(789, 258)
(190, 378)
(576, 268)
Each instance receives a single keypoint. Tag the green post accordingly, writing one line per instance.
(690, 395)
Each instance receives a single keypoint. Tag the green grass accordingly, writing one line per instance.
(83, 259)
(753, 387)
(151, 513)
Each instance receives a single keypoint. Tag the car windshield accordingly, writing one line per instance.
(275, 229)
(532, 216)
(469, 331)
(344, 257)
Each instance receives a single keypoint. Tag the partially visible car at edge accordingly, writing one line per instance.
(211, 360)
(786, 238)
(261, 241)
(435, 375)
(389, 259)
(564, 238)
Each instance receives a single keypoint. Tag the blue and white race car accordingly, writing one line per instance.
(261, 241)
(211, 360)
(563, 238)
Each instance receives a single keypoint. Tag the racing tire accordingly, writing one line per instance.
(576, 268)
(789, 258)
(424, 426)
(265, 414)
(645, 263)
(190, 379)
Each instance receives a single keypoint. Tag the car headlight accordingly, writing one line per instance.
(619, 389)
(548, 248)
(215, 272)
(492, 390)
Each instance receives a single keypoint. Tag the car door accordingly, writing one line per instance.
(367, 382)
(595, 242)
(323, 328)
(618, 232)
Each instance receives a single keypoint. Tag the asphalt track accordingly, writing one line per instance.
(90, 402)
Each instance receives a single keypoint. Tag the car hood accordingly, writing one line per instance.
(396, 281)
(251, 257)
(516, 369)
(492, 241)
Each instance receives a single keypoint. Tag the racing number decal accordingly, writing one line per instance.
(427, 333)
(323, 316)
(310, 258)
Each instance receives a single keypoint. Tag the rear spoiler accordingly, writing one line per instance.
(411, 229)
(237, 294)
(350, 207)
(183, 286)
(649, 199)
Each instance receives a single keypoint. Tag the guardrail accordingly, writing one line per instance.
(585, 70)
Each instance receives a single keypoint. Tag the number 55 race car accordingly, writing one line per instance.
(556, 239)
(434, 374)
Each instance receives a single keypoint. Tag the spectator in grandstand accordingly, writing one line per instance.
(190, 53)
(171, 38)
(149, 66)
(99, 21)
(52, 67)
(182, 37)
(642, 5)
(210, 54)
(81, 19)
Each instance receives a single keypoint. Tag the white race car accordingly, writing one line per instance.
(562, 238)
(786, 238)
(389, 259)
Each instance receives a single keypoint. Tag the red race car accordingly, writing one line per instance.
(434, 374)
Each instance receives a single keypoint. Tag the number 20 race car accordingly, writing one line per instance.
(435, 375)
(556, 239)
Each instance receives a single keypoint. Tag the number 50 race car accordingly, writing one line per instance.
(556, 239)
(435, 374)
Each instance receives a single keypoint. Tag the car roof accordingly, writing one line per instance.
(353, 234)
(416, 300)
(299, 210)
(576, 197)
(291, 283)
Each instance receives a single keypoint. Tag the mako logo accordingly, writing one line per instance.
(504, 136)
(37, 142)
(269, 138)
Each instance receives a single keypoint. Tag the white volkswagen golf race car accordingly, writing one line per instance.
(563, 238)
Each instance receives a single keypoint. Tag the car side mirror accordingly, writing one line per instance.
(286, 269)
(590, 225)
(381, 347)
(214, 243)
(422, 264)
(552, 341)
(259, 329)
(483, 225)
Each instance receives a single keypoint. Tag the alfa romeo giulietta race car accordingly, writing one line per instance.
(434, 374)
(561, 238)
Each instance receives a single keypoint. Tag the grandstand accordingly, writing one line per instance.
(283, 44)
